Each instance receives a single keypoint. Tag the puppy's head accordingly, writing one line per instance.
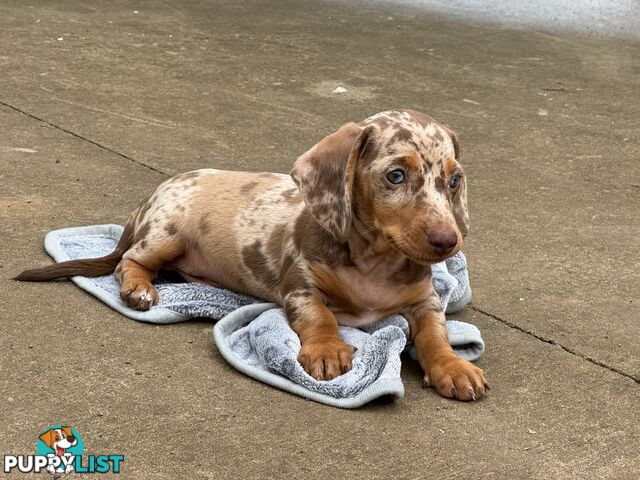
(398, 173)
(59, 438)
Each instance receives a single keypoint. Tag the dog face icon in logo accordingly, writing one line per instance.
(62, 442)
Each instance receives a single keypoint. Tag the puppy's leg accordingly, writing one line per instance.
(136, 289)
(323, 354)
(452, 376)
(139, 266)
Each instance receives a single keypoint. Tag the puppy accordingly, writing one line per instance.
(348, 238)
(59, 439)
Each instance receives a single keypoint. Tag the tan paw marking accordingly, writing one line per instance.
(326, 359)
(456, 378)
(139, 296)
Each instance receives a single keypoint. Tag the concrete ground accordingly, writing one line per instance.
(101, 102)
(617, 18)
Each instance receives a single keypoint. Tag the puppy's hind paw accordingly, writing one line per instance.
(139, 297)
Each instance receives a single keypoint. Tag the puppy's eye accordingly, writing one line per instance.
(454, 181)
(396, 177)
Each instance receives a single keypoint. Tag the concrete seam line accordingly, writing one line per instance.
(550, 341)
(76, 135)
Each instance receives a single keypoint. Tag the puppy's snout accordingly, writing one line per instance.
(443, 240)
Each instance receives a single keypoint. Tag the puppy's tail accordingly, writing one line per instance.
(90, 267)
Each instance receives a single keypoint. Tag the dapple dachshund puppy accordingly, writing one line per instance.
(347, 239)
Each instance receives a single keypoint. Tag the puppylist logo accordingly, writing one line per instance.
(59, 451)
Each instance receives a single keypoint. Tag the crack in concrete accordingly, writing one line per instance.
(80, 137)
(509, 324)
(537, 336)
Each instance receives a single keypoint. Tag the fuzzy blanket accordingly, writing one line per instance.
(255, 336)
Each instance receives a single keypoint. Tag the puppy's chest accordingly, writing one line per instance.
(359, 299)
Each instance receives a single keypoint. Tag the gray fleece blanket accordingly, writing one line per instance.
(255, 336)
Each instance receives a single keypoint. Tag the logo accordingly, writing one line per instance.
(60, 451)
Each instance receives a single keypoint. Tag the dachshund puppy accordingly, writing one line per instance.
(348, 238)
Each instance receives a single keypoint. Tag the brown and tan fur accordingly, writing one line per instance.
(336, 242)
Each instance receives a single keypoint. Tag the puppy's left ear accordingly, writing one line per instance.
(325, 174)
(454, 140)
(48, 437)
(460, 209)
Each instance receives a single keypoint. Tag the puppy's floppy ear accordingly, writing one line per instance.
(454, 139)
(325, 174)
(460, 209)
(48, 437)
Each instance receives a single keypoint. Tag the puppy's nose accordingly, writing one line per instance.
(443, 240)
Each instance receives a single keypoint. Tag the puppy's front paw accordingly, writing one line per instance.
(139, 296)
(456, 378)
(325, 359)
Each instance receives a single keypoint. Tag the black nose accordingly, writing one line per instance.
(443, 240)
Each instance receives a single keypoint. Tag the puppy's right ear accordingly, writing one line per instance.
(454, 140)
(460, 209)
(49, 438)
(325, 174)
